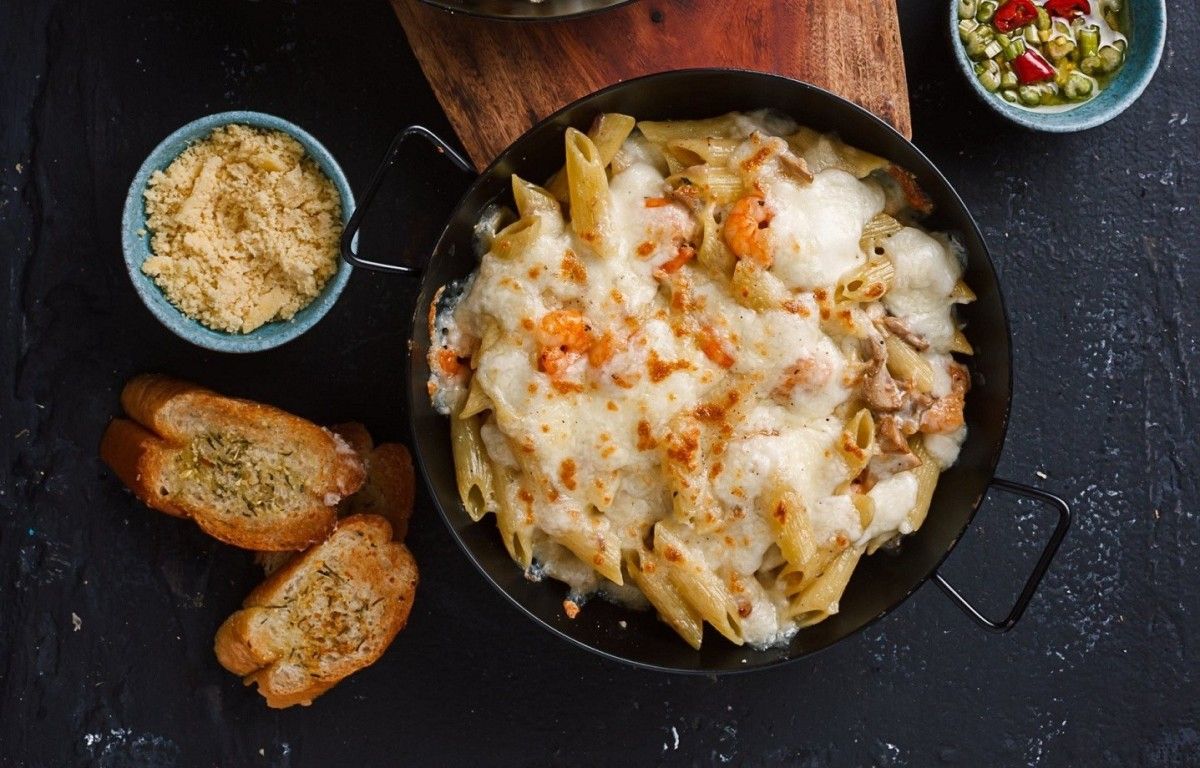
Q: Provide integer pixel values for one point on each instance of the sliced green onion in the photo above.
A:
(1043, 18)
(1110, 59)
(1014, 49)
(967, 8)
(1089, 40)
(1009, 94)
(966, 27)
(1031, 35)
(977, 42)
(993, 49)
(1120, 45)
(1111, 11)
(1091, 65)
(987, 9)
(1058, 48)
(1079, 87)
(1009, 79)
(989, 80)
(1029, 95)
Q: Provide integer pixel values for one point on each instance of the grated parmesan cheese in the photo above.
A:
(245, 228)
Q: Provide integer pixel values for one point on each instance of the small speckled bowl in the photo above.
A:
(135, 239)
(1147, 20)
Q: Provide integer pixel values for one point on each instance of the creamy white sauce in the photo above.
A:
(593, 454)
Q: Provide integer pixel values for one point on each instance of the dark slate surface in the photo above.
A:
(107, 610)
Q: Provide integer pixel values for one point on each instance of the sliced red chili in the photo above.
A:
(1067, 9)
(1030, 67)
(1014, 14)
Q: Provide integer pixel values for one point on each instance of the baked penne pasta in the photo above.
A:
(647, 571)
(706, 366)
(820, 599)
(700, 588)
(785, 513)
(907, 364)
(665, 131)
(515, 523)
(857, 443)
(927, 477)
(867, 284)
(473, 469)
(587, 186)
(608, 133)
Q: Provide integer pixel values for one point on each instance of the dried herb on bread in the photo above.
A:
(388, 491)
(323, 615)
(249, 474)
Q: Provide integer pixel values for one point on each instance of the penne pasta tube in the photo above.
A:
(514, 522)
(879, 228)
(906, 363)
(756, 288)
(477, 400)
(648, 573)
(534, 202)
(788, 519)
(820, 600)
(664, 131)
(696, 151)
(856, 444)
(868, 283)
(473, 469)
(516, 238)
(927, 477)
(700, 587)
(608, 133)
(959, 343)
(587, 185)
(962, 293)
(595, 546)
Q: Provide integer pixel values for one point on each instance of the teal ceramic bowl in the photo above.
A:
(1147, 22)
(135, 239)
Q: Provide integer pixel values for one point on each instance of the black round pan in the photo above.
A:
(524, 10)
(882, 581)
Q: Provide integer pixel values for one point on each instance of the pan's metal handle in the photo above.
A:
(1039, 570)
(389, 159)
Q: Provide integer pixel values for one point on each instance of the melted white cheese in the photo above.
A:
(926, 271)
(815, 233)
(590, 446)
(894, 498)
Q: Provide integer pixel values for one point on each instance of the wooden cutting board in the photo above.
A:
(496, 78)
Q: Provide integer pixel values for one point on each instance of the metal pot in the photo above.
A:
(882, 581)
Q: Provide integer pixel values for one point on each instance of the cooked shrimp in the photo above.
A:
(564, 336)
(714, 347)
(808, 373)
(745, 230)
(946, 414)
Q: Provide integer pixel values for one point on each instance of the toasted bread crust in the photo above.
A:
(167, 413)
(390, 488)
(247, 645)
(132, 454)
(356, 436)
